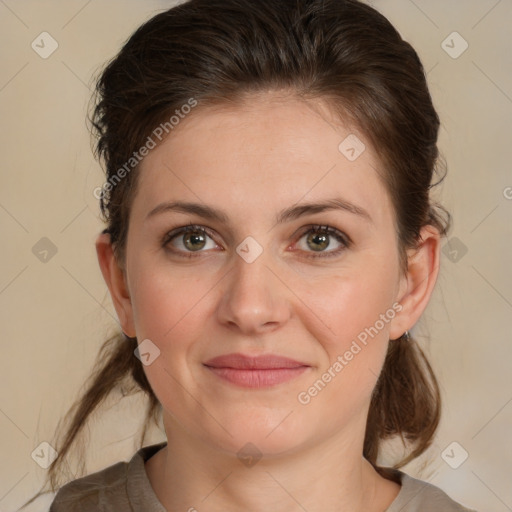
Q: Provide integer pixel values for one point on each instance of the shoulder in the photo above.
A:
(122, 486)
(93, 492)
(420, 496)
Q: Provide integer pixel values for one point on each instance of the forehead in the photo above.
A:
(263, 153)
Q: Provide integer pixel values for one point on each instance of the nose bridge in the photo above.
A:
(254, 298)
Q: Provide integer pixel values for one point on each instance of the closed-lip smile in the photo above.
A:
(255, 371)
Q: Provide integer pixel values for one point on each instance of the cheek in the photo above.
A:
(353, 311)
(167, 303)
(170, 311)
(357, 311)
(347, 305)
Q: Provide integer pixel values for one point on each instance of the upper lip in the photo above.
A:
(245, 362)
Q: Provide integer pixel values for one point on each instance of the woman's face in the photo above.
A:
(259, 280)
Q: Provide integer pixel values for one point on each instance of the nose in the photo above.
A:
(255, 298)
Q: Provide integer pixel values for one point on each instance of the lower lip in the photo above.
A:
(258, 378)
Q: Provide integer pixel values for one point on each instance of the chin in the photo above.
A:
(265, 434)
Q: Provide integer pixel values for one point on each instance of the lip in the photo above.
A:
(255, 371)
(262, 362)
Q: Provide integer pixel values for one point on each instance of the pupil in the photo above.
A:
(323, 240)
(191, 239)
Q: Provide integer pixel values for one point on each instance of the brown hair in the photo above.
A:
(342, 51)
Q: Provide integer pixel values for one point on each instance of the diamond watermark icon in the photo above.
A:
(147, 352)
(454, 249)
(44, 250)
(249, 249)
(454, 455)
(351, 147)
(44, 455)
(454, 45)
(249, 455)
(44, 45)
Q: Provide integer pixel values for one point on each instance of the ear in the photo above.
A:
(115, 277)
(418, 283)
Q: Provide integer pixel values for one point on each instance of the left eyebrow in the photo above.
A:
(335, 203)
(285, 215)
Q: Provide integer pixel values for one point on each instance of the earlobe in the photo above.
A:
(419, 281)
(115, 278)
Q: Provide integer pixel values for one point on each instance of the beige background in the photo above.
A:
(55, 314)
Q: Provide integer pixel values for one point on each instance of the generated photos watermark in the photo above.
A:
(305, 397)
(158, 134)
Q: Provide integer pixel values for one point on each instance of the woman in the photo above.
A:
(270, 242)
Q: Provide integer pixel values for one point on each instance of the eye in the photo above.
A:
(188, 239)
(319, 238)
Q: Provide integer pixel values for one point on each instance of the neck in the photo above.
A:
(189, 475)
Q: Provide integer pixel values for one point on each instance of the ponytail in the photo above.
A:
(406, 401)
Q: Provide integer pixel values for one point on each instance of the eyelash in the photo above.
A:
(312, 228)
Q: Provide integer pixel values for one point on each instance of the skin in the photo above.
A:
(251, 160)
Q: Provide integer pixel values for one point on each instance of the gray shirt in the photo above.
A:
(125, 487)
